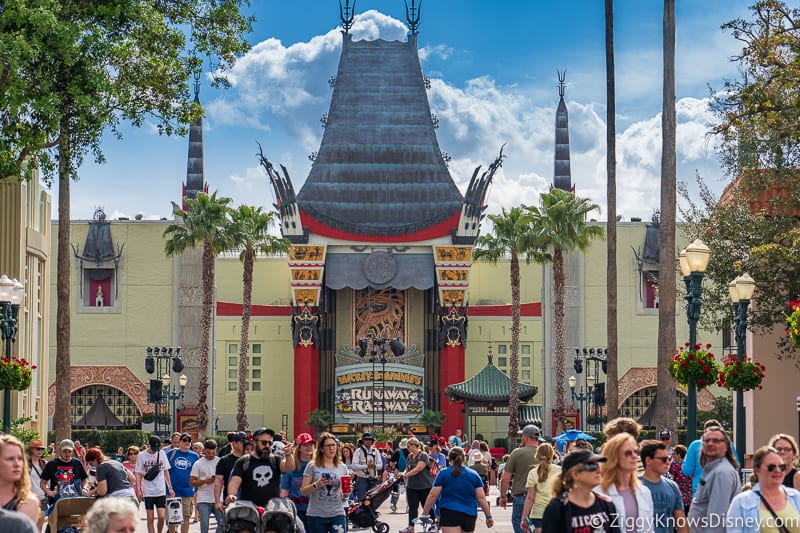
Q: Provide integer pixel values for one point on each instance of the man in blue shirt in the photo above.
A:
(667, 500)
(181, 460)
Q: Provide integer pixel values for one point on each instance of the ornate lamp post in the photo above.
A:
(693, 263)
(595, 389)
(174, 395)
(157, 361)
(579, 397)
(741, 291)
(12, 293)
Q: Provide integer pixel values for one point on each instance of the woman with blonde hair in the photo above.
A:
(619, 481)
(573, 500)
(539, 483)
(787, 448)
(15, 481)
(769, 503)
(419, 480)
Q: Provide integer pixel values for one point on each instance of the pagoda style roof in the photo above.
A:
(99, 415)
(489, 385)
(379, 171)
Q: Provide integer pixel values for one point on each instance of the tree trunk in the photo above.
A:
(665, 387)
(612, 378)
(247, 293)
(513, 399)
(205, 337)
(558, 321)
(62, 415)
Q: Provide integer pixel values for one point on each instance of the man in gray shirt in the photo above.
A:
(718, 485)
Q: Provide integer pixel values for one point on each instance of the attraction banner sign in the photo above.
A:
(386, 393)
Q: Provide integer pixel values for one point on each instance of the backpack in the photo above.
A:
(433, 466)
(402, 461)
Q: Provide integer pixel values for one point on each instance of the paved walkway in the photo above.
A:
(396, 521)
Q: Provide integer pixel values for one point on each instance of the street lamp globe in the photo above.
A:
(165, 380)
(19, 292)
(697, 255)
(732, 292)
(572, 382)
(183, 380)
(6, 288)
(745, 286)
(684, 263)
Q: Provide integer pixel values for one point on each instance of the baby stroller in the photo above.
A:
(240, 517)
(364, 513)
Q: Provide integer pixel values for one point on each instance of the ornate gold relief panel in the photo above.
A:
(379, 313)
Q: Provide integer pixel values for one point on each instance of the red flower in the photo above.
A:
(701, 382)
(706, 369)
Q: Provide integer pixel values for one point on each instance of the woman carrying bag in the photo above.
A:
(419, 480)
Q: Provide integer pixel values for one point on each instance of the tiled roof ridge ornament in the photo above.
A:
(475, 201)
(285, 199)
(413, 16)
(347, 14)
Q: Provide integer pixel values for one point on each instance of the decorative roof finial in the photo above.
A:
(412, 15)
(346, 14)
(562, 75)
(196, 84)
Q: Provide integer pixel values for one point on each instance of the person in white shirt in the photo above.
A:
(154, 491)
(202, 479)
(367, 464)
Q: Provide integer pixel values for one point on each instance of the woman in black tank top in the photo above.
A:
(786, 447)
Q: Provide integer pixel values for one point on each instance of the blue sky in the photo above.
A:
(493, 71)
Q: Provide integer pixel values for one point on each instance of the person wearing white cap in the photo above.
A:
(64, 473)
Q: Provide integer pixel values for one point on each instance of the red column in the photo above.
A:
(306, 385)
(451, 361)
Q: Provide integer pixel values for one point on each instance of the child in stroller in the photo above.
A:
(363, 513)
(279, 516)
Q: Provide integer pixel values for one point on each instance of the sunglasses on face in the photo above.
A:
(39, 449)
(265, 442)
(664, 459)
(784, 450)
(590, 467)
(712, 440)
(630, 453)
(772, 467)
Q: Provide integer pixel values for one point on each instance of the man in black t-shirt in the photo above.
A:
(222, 474)
(64, 471)
(256, 478)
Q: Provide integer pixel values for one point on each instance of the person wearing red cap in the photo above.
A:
(293, 480)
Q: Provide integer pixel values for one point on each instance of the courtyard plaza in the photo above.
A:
(396, 521)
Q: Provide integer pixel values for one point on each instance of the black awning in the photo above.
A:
(353, 270)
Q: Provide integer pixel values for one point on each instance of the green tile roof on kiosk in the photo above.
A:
(489, 385)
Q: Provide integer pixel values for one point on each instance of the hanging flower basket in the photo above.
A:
(698, 366)
(15, 373)
(793, 321)
(742, 375)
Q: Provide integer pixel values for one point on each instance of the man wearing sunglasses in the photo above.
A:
(256, 477)
(667, 499)
(718, 485)
(181, 460)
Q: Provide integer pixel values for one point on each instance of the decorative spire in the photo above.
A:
(346, 14)
(195, 164)
(412, 15)
(562, 176)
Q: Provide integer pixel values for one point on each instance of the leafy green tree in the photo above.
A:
(249, 233)
(320, 420)
(204, 225)
(759, 113)
(69, 71)
(561, 225)
(432, 419)
(512, 235)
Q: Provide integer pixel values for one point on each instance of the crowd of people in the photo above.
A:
(628, 485)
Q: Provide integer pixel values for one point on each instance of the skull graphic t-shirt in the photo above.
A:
(261, 478)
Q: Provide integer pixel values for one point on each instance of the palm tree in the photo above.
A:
(513, 235)
(611, 199)
(249, 232)
(203, 224)
(561, 225)
(665, 385)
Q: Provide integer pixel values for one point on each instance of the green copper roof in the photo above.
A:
(490, 384)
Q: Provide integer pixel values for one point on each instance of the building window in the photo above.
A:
(256, 348)
(502, 349)
(526, 349)
(526, 361)
(256, 374)
(256, 361)
(232, 373)
(526, 374)
(502, 361)
(638, 405)
(233, 348)
(231, 385)
(232, 361)
(256, 385)
(118, 403)
(650, 289)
